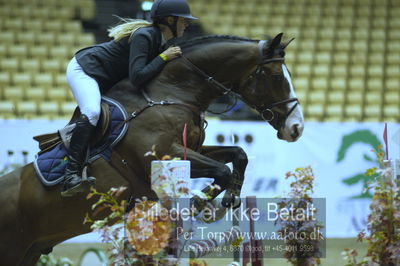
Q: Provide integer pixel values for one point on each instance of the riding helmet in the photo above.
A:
(174, 8)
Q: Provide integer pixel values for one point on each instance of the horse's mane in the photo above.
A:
(186, 44)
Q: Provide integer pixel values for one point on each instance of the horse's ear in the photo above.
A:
(276, 41)
(287, 43)
(271, 45)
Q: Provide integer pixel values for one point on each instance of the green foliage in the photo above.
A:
(110, 234)
(300, 198)
(50, 260)
(349, 255)
(121, 252)
(384, 220)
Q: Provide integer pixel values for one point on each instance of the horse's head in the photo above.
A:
(256, 72)
(268, 88)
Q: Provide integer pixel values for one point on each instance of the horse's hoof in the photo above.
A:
(197, 205)
(215, 212)
(231, 201)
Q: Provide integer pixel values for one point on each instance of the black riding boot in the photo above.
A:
(77, 153)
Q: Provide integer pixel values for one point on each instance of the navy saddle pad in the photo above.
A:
(50, 165)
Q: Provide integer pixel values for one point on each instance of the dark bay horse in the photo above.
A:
(35, 218)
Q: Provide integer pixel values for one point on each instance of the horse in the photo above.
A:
(35, 218)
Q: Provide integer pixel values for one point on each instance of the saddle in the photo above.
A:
(52, 159)
(50, 140)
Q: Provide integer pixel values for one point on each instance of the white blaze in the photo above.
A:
(295, 121)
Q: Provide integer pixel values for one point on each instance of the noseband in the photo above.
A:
(257, 72)
(267, 113)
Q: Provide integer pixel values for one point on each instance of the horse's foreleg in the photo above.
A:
(203, 166)
(238, 157)
(226, 154)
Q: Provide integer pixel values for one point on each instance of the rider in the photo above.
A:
(136, 51)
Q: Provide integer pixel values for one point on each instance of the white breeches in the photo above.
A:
(85, 90)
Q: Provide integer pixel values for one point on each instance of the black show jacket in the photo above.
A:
(113, 61)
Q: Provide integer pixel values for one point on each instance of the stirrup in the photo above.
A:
(84, 185)
(89, 180)
(78, 188)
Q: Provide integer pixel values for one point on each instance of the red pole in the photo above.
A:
(184, 140)
(386, 141)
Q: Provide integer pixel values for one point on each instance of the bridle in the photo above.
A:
(267, 112)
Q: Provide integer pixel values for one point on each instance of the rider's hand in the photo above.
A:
(172, 52)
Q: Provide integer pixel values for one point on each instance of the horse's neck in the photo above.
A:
(226, 63)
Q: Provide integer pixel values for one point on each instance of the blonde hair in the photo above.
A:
(127, 28)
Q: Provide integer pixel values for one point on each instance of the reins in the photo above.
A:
(224, 90)
(215, 83)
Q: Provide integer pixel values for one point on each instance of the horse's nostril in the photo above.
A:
(295, 131)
